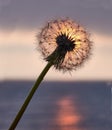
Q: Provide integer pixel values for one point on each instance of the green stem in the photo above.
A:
(29, 97)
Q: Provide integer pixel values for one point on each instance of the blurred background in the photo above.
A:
(78, 101)
(21, 20)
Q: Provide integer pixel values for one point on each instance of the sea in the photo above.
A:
(78, 105)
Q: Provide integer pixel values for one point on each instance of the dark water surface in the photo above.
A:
(57, 105)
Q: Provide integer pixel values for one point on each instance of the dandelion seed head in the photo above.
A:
(67, 41)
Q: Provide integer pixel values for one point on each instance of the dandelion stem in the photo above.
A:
(29, 97)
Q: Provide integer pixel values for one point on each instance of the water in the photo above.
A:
(57, 105)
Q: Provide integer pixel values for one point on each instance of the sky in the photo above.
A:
(22, 20)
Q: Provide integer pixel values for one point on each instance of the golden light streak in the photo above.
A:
(10, 51)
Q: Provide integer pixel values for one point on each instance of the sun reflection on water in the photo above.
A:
(67, 115)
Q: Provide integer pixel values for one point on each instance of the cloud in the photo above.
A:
(20, 20)
(18, 54)
(4, 2)
(18, 36)
(32, 13)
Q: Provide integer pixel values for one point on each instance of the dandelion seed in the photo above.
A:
(64, 42)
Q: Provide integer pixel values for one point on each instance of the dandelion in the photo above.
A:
(65, 42)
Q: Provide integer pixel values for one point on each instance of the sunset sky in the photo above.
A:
(21, 20)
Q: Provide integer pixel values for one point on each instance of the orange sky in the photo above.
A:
(20, 20)
(20, 59)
